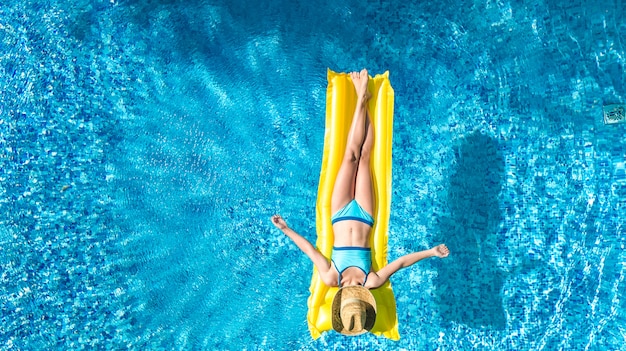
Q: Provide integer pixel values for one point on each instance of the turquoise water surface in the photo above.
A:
(145, 144)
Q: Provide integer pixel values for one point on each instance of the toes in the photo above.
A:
(355, 76)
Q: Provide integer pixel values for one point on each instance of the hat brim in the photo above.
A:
(359, 293)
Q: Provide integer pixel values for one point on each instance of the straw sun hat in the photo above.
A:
(353, 310)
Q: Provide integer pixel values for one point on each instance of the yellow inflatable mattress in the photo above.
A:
(340, 105)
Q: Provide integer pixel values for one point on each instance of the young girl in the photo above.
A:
(352, 205)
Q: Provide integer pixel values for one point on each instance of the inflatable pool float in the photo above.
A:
(340, 104)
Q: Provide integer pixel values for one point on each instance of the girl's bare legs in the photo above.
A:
(353, 180)
(364, 191)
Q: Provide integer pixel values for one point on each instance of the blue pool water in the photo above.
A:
(145, 144)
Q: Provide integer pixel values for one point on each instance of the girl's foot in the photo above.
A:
(359, 79)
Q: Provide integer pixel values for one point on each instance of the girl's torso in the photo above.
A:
(351, 233)
(351, 259)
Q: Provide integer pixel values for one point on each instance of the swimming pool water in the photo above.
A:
(145, 144)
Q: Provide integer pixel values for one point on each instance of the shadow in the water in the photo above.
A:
(469, 284)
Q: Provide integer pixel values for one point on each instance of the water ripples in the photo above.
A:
(144, 146)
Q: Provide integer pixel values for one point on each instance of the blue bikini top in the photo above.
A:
(351, 256)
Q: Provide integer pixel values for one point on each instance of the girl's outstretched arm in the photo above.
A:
(377, 279)
(322, 264)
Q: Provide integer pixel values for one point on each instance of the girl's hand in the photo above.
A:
(441, 251)
(279, 222)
